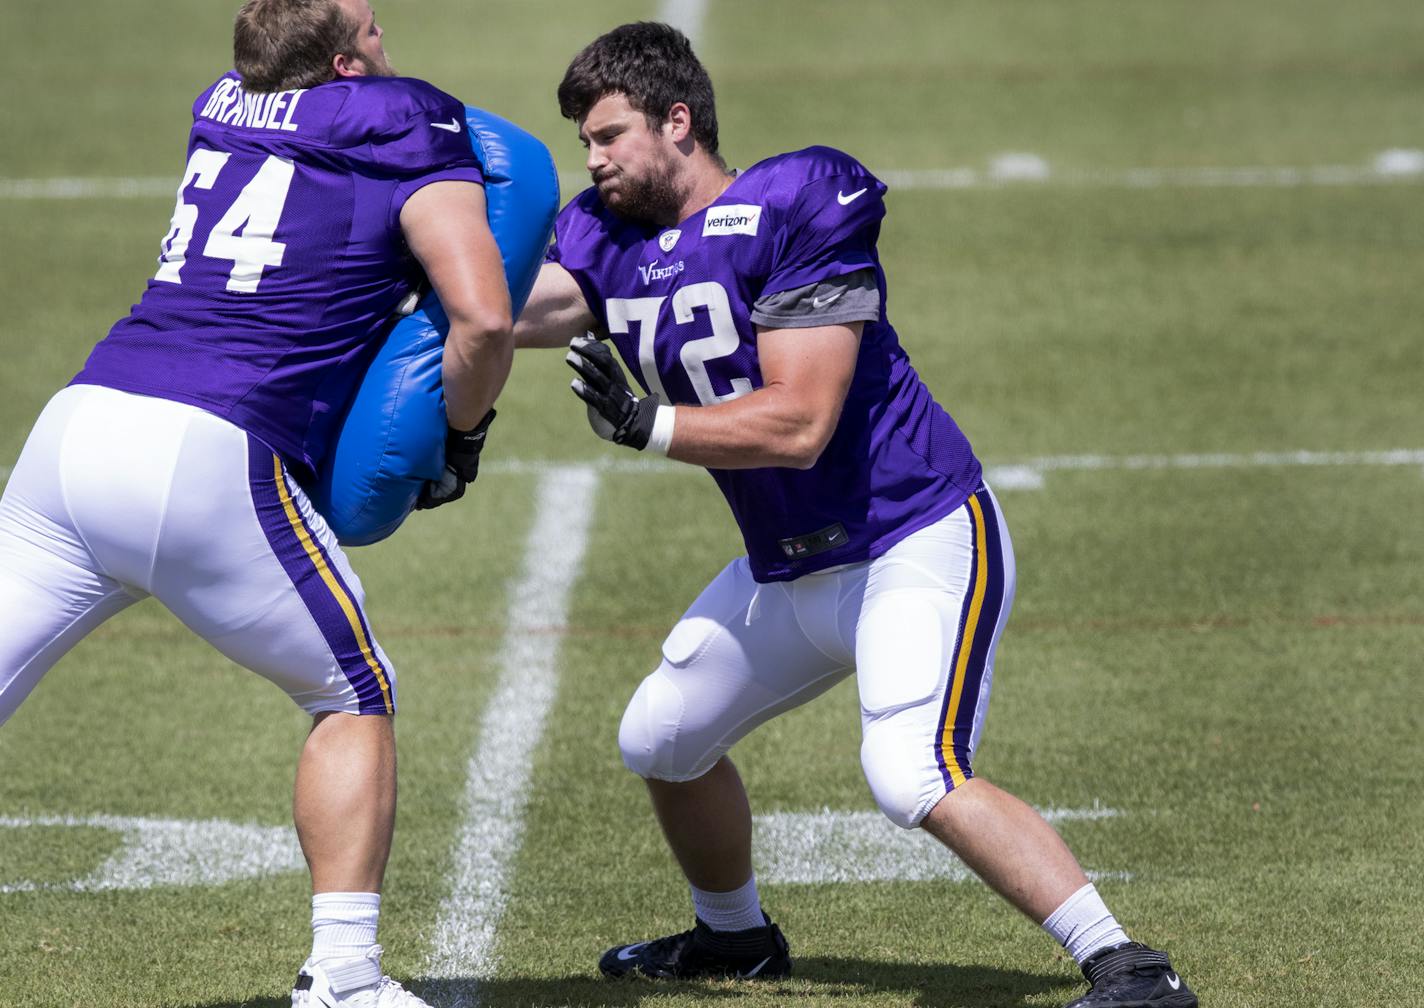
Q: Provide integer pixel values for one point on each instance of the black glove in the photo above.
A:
(614, 412)
(462, 464)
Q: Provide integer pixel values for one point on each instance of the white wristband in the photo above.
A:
(660, 438)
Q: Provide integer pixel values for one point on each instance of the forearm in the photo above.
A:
(762, 429)
(475, 366)
(786, 423)
(546, 327)
(446, 226)
(555, 313)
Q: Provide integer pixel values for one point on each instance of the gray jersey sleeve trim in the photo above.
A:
(852, 297)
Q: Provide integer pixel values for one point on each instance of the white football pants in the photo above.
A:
(917, 625)
(117, 497)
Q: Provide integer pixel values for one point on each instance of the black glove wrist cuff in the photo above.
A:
(478, 428)
(462, 448)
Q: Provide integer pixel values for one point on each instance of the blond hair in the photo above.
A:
(278, 45)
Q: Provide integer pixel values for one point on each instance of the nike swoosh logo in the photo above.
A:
(756, 969)
(1174, 981)
(631, 952)
(821, 302)
(453, 125)
(845, 200)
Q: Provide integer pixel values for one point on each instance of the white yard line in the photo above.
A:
(1230, 460)
(685, 15)
(834, 846)
(170, 852)
(498, 775)
(1006, 172)
(1030, 475)
(1019, 170)
(1027, 475)
(1390, 167)
(88, 188)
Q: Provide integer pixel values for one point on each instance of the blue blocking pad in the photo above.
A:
(392, 439)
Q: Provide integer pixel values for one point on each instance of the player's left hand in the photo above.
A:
(614, 412)
(462, 465)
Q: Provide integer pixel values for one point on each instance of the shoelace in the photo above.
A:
(390, 994)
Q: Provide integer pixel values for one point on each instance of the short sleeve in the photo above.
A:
(405, 190)
(574, 246)
(838, 300)
(427, 153)
(429, 144)
(830, 230)
(415, 140)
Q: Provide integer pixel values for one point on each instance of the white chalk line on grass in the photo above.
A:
(88, 188)
(1025, 170)
(1389, 166)
(1030, 475)
(498, 774)
(1005, 475)
(826, 846)
(685, 15)
(170, 852)
(832, 846)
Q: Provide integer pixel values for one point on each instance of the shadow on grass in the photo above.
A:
(818, 979)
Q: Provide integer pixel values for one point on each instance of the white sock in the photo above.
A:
(344, 924)
(729, 911)
(1083, 925)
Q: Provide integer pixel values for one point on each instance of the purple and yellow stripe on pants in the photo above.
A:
(978, 628)
(318, 581)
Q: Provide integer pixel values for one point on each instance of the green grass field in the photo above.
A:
(1217, 643)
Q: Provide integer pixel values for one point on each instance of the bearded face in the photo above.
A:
(647, 193)
(633, 162)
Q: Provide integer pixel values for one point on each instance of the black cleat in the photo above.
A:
(702, 952)
(1133, 976)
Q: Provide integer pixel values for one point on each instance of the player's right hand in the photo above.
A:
(614, 412)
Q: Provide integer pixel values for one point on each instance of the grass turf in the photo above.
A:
(1226, 656)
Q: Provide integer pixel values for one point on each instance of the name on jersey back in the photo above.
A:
(230, 105)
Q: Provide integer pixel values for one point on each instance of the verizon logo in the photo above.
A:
(739, 219)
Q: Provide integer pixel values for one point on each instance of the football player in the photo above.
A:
(750, 306)
(317, 183)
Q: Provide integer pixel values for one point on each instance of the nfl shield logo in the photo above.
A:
(668, 239)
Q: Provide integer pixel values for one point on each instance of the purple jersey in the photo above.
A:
(285, 257)
(678, 302)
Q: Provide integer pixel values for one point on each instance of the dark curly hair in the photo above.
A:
(654, 66)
